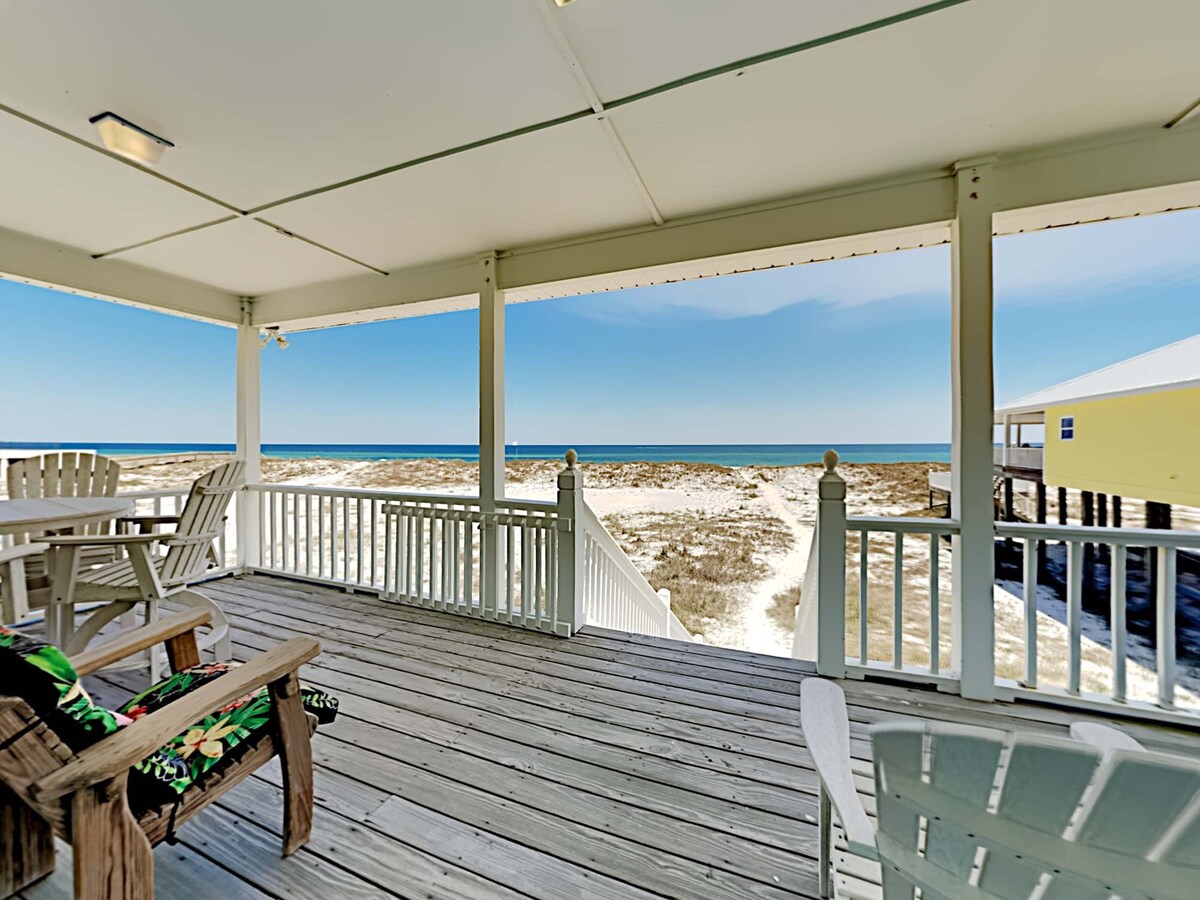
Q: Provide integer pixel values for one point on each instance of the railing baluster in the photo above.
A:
(283, 530)
(935, 607)
(308, 535)
(1029, 563)
(436, 525)
(390, 586)
(358, 535)
(1074, 614)
(320, 537)
(864, 584)
(539, 597)
(1165, 632)
(1117, 615)
(274, 529)
(345, 539)
(469, 569)
(509, 566)
(262, 523)
(526, 571)
(296, 532)
(898, 605)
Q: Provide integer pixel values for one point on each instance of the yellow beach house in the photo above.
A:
(1131, 429)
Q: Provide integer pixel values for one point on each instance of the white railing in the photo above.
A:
(440, 559)
(548, 566)
(1160, 550)
(615, 594)
(922, 640)
(1018, 457)
(912, 646)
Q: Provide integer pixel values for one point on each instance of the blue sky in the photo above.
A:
(847, 351)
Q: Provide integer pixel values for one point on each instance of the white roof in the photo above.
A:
(1167, 368)
(333, 146)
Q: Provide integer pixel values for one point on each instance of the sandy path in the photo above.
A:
(760, 634)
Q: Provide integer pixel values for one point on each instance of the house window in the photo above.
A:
(1066, 428)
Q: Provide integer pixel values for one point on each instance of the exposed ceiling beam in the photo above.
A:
(1131, 173)
(32, 260)
(364, 298)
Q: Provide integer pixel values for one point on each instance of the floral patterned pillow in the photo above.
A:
(42, 676)
(213, 743)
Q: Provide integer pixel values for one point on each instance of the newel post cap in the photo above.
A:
(831, 485)
(570, 478)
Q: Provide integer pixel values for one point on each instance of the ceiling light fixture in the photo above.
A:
(271, 333)
(128, 140)
(563, 2)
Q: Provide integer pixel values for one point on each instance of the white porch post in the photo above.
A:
(249, 438)
(1008, 440)
(971, 356)
(491, 424)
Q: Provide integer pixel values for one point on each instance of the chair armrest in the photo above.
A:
(139, 639)
(1103, 738)
(98, 540)
(20, 551)
(118, 752)
(827, 732)
(150, 520)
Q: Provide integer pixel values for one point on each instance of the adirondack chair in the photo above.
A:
(144, 576)
(84, 793)
(964, 812)
(64, 475)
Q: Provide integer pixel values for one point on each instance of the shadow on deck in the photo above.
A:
(475, 760)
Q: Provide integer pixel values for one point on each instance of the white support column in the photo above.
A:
(249, 438)
(972, 399)
(1008, 440)
(491, 423)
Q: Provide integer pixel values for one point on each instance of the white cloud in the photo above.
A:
(1047, 266)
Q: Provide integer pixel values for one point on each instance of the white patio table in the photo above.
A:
(38, 515)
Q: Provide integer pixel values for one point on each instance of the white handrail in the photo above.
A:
(616, 594)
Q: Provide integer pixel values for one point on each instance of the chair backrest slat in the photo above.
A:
(1043, 784)
(1139, 802)
(67, 474)
(1067, 821)
(963, 764)
(202, 514)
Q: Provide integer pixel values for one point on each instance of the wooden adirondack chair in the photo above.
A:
(64, 475)
(46, 790)
(982, 814)
(144, 576)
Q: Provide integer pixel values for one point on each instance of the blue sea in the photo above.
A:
(720, 454)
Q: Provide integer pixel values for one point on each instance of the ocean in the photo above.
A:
(720, 454)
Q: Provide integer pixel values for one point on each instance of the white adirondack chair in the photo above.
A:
(144, 576)
(64, 475)
(982, 814)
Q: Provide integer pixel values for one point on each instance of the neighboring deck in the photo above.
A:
(477, 760)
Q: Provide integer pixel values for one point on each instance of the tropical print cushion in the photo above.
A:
(42, 676)
(213, 743)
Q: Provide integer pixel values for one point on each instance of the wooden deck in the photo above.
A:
(477, 761)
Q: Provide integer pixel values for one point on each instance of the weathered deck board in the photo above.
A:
(474, 760)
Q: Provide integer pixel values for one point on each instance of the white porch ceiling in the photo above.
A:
(565, 180)
(390, 135)
(979, 78)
